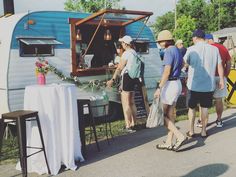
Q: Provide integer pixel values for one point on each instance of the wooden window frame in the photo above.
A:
(99, 20)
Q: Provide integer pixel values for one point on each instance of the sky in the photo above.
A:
(158, 7)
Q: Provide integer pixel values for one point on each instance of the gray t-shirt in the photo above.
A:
(203, 60)
(128, 55)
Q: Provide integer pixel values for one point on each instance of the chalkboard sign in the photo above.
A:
(141, 101)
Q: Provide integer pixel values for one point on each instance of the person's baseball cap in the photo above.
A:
(180, 41)
(209, 36)
(199, 33)
(126, 39)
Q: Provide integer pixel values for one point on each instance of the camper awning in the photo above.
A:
(114, 17)
(40, 41)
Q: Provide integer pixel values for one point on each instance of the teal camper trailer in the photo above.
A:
(63, 38)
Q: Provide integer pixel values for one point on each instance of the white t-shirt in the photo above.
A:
(128, 55)
(202, 59)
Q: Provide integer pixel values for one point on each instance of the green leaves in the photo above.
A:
(186, 24)
(203, 14)
(90, 6)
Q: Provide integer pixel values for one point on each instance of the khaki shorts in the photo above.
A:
(171, 91)
(220, 93)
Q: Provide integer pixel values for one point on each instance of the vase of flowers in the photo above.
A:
(41, 70)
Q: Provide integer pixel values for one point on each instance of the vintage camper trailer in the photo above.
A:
(63, 38)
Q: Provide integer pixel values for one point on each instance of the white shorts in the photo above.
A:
(171, 91)
(220, 93)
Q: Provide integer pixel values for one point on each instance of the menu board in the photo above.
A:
(141, 101)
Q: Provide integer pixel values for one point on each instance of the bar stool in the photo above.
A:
(1, 133)
(86, 118)
(21, 116)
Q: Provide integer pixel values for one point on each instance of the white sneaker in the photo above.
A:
(219, 123)
(129, 130)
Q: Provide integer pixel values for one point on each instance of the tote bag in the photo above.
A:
(156, 114)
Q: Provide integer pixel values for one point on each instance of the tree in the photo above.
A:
(209, 15)
(90, 6)
(165, 22)
(222, 14)
(186, 25)
(195, 9)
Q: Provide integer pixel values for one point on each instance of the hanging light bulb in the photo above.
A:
(107, 35)
(78, 35)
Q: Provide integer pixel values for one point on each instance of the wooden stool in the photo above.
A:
(21, 117)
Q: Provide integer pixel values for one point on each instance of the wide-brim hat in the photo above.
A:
(164, 35)
(179, 41)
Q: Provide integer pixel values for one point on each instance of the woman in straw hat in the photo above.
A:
(169, 89)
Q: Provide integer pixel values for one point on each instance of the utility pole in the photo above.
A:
(219, 15)
(105, 4)
(175, 14)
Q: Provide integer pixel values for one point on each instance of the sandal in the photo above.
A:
(190, 135)
(164, 146)
(179, 143)
(204, 136)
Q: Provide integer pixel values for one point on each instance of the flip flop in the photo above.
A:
(164, 146)
(178, 144)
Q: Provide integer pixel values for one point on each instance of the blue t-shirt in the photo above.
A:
(174, 58)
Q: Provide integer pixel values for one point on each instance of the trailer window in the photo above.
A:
(37, 47)
(36, 50)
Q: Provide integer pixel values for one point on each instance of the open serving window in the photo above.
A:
(94, 39)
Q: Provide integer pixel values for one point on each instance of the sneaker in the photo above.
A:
(129, 130)
(219, 123)
(199, 124)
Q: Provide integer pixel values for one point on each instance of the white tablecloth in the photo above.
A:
(57, 107)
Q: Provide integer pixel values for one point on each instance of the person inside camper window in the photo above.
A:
(127, 86)
(170, 89)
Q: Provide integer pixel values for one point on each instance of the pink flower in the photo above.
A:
(41, 66)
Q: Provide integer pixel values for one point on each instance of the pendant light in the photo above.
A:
(78, 35)
(107, 35)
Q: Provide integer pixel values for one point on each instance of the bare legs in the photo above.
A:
(204, 120)
(129, 108)
(170, 124)
(219, 108)
(191, 116)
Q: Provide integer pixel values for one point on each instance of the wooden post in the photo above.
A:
(73, 47)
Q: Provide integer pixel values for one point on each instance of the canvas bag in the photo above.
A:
(156, 114)
(135, 70)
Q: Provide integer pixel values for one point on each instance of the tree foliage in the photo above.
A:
(195, 9)
(208, 15)
(186, 25)
(90, 6)
(222, 14)
(164, 22)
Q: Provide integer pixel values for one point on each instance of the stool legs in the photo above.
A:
(1, 133)
(94, 131)
(43, 146)
(21, 133)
